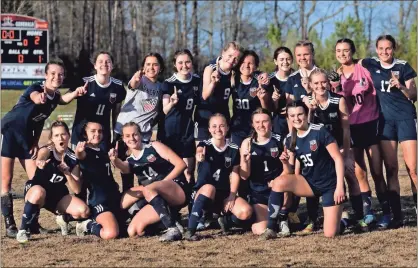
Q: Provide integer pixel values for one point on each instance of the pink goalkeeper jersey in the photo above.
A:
(360, 96)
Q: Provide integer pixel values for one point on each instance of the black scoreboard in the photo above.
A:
(24, 50)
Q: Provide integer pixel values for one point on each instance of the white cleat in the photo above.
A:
(284, 229)
(22, 236)
(65, 227)
(81, 228)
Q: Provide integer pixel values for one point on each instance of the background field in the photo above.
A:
(378, 248)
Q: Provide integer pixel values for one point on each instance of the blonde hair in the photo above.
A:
(236, 46)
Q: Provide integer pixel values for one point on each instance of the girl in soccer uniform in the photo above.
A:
(330, 110)
(57, 165)
(217, 180)
(104, 195)
(315, 150)
(358, 90)
(297, 85)
(161, 183)
(101, 103)
(247, 96)
(21, 128)
(180, 95)
(396, 90)
(260, 164)
(141, 106)
(218, 80)
(283, 59)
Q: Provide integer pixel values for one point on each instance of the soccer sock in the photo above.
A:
(127, 181)
(414, 196)
(395, 204)
(276, 200)
(30, 211)
(295, 204)
(384, 202)
(201, 203)
(283, 213)
(367, 202)
(94, 228)
(312, 205)
(7, 209)
(357, 205)
(160, 206)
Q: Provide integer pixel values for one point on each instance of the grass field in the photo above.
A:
(390, 248)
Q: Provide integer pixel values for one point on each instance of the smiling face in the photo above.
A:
(60, 138)
(151, 67)
(230, 58)
(131, 137)
(384, 50)
(94, 133)
(343, 53)
(218, 127)
(284, 61)
(248, 66)
(103, 64)
(319, 84)
(184, 64)
(297, 117)
(262, 124)
(304, 57)
(54, 76)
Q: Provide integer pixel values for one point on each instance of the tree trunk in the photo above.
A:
(56, 18)
(71, 31)
(176, 25)
(211, 23)
(84, 25)
(184, 31)
(92, 26)
(149, 25)
(195, 29)
(356, 9)
(302, 18)
(134, 19)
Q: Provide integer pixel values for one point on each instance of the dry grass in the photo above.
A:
(377, 248)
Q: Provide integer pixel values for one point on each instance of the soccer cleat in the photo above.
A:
(362, 226)
(22, 236)
(172, 234)
(81, 228)
(180, 227)
(223, 223)
(396, 223)
(284, 229)
(62, 224)
(293, 218)
(267, 235)
(11, 231)
(384, 222)
(190, 237)
(310, 228)
(369, 219)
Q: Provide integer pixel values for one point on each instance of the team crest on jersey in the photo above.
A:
(195, 88)
(253, 92)
(151, 158)
(112, 97)
(274, 152)
(313, 145)
(333, 115)
(228, 161)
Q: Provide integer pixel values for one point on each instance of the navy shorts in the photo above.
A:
(327, 195)
(186, 187)
(259, 197)
(100, 202)
(201, 132)
(53, 194)
(238, 137)
(14, 144)
(280, 125)
(365, 135)
(398, 130)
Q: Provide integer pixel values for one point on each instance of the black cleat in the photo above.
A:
(11, 231)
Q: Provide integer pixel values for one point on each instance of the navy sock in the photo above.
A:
(283, 213)
(414, 196)
(127, 181)
(312, 205)
(395, 204)
(201, 203)
(276, 200)
(367, 202)
(30, 212)
(94, 227)
(295, 204)
(160, 206)
(357, 205)
(384, 202)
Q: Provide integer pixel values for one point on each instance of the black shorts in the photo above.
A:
(15, 144)
(53, 194)
(259, 197)
(398, 130)
(365, 135)
(186, 187)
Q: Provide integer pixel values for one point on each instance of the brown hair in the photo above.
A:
(293, 134)
(259, 110)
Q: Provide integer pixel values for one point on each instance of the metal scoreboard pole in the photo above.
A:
(24, 50)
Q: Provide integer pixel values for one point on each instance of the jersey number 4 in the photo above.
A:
(151, 173)
(217, 174)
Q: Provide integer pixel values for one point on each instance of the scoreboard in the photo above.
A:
(24, 50)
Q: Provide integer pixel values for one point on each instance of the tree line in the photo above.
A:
(131, 29)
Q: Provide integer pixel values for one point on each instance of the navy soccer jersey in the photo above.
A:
(149, 167)
(217, 166)
(97, 172)
(50, 177)
(279, 116)
(316, 164)
(265, 163)
(245, 100)
(294, 86)
(96, 106)
(394, 105)
(178, 122)
(26, 116)
(329, 116)
(217, 102)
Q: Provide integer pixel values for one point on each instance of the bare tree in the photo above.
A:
(176, 25)
(195, 28)
(184, 31)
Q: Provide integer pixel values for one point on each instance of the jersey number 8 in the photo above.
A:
(189, 104)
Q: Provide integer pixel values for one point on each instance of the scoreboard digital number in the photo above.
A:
(24, 50)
